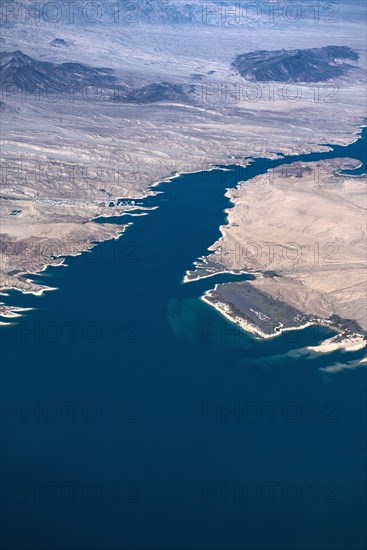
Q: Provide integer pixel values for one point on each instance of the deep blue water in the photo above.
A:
(135, 417)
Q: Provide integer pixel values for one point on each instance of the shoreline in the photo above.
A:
(88, 247)
(186, 279)
(348, 343)
(201, 263)
(225, 310)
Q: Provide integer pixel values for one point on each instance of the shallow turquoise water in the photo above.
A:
(135, 417)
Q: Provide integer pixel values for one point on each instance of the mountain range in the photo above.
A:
(298, 65)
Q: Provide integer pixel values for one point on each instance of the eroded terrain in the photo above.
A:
(302, 229)
(172, 102)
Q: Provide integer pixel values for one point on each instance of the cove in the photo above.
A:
(136, 417)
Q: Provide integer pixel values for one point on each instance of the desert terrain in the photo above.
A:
(172, 101)
(302, 230)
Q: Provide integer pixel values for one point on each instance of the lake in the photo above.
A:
(134, 416)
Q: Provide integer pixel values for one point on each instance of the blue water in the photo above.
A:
(135, 417)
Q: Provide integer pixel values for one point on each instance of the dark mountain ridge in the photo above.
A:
(21, 71)
(161, 91)
(307, 65)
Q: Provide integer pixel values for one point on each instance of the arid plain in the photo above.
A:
(67, 157)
